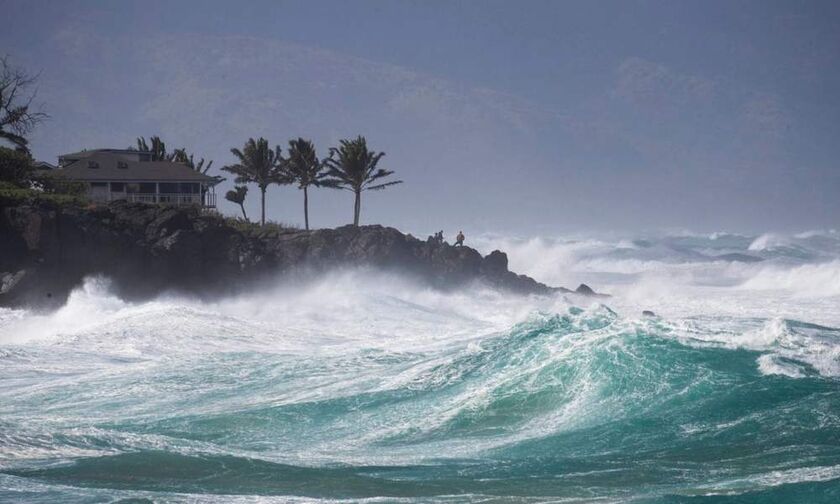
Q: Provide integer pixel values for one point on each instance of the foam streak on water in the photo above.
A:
(361, 386)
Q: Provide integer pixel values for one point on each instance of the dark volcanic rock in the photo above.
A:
(495, 262)
(585, 290)
(145, 249)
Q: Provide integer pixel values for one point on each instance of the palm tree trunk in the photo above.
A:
(306, 206)
(357, 208)
(244, 215)
(262, 205)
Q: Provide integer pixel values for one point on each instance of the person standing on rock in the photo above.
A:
(459, 240)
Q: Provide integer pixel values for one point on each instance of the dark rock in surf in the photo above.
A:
(585, 290)
(648, 313)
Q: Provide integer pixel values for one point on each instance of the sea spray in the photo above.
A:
(363, 385)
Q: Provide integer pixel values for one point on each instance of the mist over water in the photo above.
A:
(364, 386)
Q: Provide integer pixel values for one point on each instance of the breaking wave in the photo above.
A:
(364, 386)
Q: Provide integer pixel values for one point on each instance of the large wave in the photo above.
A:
(363, 385)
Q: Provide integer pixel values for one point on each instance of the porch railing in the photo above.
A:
(169, 198)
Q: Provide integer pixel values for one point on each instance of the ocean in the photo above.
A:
(362, 386)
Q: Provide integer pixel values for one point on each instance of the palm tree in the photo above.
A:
(258, 164)
(158, 148)
(305, 169)
(181, 156)
(237, 195)
(353, 167)
(159, 153)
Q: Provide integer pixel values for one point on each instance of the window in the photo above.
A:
(117, 187)
(168, 187)
(189, 188)
(93, 164)
(122, 165)
(99, 184)
(148, 187)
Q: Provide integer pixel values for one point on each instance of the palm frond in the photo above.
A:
(237, 194)
(353, 165)
(382, 186)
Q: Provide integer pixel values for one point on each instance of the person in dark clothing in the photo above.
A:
(459, 240)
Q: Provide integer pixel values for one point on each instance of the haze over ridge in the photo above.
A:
(626, 115)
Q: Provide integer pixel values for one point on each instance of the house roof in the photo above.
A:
(130, 154)
(43, 165)
(91, 152)
(110, 167)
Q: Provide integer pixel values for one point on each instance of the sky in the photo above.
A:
(525, 117)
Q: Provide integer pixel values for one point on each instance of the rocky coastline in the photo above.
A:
(48, 249)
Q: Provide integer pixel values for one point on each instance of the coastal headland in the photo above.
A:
(48, 249)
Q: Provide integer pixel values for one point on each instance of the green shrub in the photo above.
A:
(15, 167)
(52, 182)
(11, 194)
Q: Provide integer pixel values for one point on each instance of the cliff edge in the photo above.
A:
(48, 249)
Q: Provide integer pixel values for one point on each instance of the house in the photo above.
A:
(115, 174)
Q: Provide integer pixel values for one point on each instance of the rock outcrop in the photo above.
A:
(145, 249)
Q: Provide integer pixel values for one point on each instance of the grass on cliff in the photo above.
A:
(256, 228)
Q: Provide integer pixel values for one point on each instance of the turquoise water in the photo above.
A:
(401, 394)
